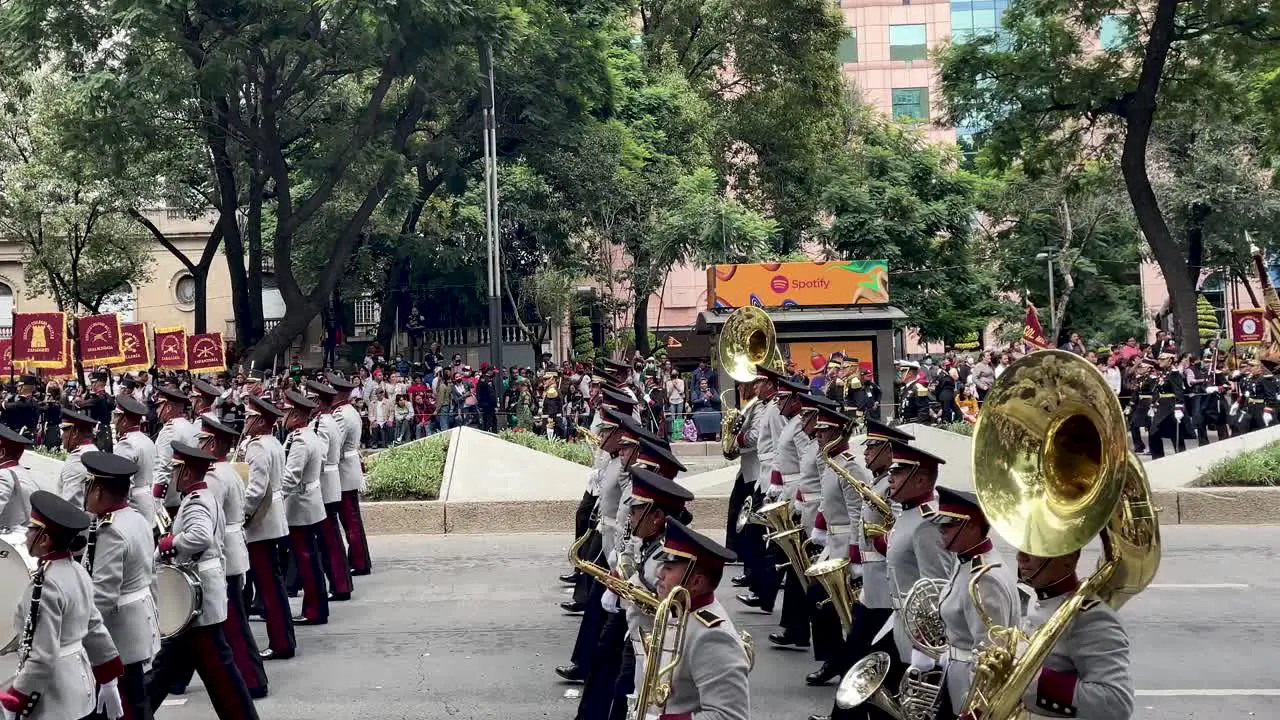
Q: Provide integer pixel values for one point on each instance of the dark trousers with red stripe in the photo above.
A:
(333, 553)
(304, 548)
(133, 694)
(357, 544)
(204, 648)
(268, 582)
(244, 646)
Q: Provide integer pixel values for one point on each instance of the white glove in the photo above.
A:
(922, 662)
(944, 660)
(6, 715)
(855, 571)
(1151, 413)
(819, 537)
(774, 492)
(1267, 417)
(1178, 415)
(109, 702)
(1211, 390)
(1235, 408)
(824, 555)
(609, 602)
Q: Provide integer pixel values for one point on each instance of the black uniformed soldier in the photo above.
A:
(20, 412)
(1169, 404)
(1140, 406)
(98, 405)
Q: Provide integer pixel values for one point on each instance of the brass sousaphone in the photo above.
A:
(747, 341)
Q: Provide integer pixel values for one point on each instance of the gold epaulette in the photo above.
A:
(106, 519)
(708, 618)
(1090, 604)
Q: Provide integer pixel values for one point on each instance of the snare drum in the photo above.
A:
(179, 598)
(15, 574)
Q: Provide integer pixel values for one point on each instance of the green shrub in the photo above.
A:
(577, 452)
(408, 472)
(55, 453)
(959, 428)
(1256, 468)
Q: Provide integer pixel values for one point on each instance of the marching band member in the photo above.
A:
(65, 652)
(196, 537)
(77, 439)
(1140, 405)
(351, 472)
(710, 682)
(171, 408)
(265, 524)
(133, 445)
(835, 525)
(744, 485)
(966, 533)
(758, 433)
(304, 508)
(333, 551)
(1086, 674)
(225, 483)
(915, 548)
(15, 486)
(1166, 418)
(205, 400)
(121, 560)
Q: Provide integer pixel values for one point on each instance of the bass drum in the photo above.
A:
(15, 574)
(178, 599)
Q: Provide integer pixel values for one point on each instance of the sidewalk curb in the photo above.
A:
(1185, 506)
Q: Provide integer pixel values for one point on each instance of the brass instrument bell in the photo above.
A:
(748, 340)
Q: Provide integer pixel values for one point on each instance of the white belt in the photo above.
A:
(233, 528)
(74, 648)
(960, 655)
(133, 597)
(351, 453)
(895, 602)
(839, 529)
(330, 467)
(209, 565)
(788, 478)
(871, 556)
(609, 522)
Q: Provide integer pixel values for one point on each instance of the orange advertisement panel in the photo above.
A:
(98, 337)
(1247, 326)
(171, 348)
(206, 353)
(812, 356)
(798, 284)
(40, 339)
(133, 345)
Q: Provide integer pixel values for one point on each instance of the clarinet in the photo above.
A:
(91, 547)
(33, 615)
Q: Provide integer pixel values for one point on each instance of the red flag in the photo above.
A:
(98, 337)
(206, 353)
(6, 357)
(1032, 333)
(171, 348)
(133, 344)
(40, 339)
(67, 369)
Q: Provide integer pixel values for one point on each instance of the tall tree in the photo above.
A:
(1041, 90)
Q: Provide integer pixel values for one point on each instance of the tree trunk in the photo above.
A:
(641, 324)
(253, 236)
(1195, 241)
(1139, 113)
(392, 298)
(201, 278)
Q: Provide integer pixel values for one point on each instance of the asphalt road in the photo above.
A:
(467, 627)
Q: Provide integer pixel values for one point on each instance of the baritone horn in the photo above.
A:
(747, 341)
(662, 655)
(833, 575)
(1051, 471)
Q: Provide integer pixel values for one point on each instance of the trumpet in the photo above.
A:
(587, 435)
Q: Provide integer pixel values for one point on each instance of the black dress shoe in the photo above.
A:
(821, 676)
(339, 597)
(752, 600)
(572, 673)
(361, 573)
(570, 578)
(258, 693)
(573, 607)
(739, 580)
(304, 620)
(782, 639)
(270, 654)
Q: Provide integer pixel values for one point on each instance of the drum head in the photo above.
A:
(176, 599)
(15, 574)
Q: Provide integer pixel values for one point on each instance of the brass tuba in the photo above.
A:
(833, 575)
(655, 687)
(1052, 471)
(748, 340)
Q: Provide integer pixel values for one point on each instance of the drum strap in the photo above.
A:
(133, 597)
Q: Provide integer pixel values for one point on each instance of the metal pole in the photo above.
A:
(491, 193)
(1053, 306)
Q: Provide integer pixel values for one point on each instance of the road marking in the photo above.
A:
(173, 703)
(1203, 692)
(1198, 586)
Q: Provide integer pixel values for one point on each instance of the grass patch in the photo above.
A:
(55, 453)
(578, 452)
(408, 472)
(1256, 468)
(959, 428)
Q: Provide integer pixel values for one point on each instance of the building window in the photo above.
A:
(272, 301)
(1112, 33)
(6, 306)
(184, 292)
(971, 18)
(847, 52)
(911, 104)
(121, 302)
(908, 42)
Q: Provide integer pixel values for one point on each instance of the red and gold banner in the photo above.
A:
(133, 345)
(67, 369)
(1032, 333)
(99, 340)
(1247, 326)
(40, 339)
(206, 353)
(171, 348)
(6, 357)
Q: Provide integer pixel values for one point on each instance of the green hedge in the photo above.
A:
(408, 472)
(1256, 468)
(55, 453)
(578, 452)
(959, 428)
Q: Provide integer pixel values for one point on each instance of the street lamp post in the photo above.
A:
(1047, 256)
(491, 208)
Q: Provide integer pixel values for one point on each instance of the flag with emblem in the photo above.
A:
(171, 348)
(40, 339)
(133, 347)
(99, 339)
(206, 353)
(67, 369)
(1032, 333)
